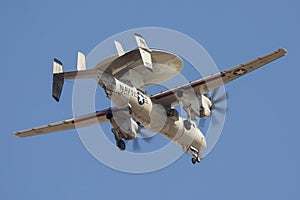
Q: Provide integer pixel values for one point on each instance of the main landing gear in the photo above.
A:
(119, 141)
(116, 131)
(121, 144)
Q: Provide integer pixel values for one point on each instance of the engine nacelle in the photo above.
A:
(205, 108)
(185, 133)
(195, 106)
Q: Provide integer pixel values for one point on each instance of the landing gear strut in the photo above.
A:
(116, 131)
(196, 155)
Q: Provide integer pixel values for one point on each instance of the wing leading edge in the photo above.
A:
(168, 98)
(98, 117)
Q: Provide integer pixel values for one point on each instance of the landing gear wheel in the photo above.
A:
(194, 160)
(121, 144)
(109, 116)
(187, 124)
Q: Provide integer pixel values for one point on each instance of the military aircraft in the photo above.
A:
(124, 77)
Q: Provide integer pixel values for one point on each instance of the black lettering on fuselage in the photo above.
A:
(126, 90)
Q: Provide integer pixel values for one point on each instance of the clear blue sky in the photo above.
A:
(257, 156)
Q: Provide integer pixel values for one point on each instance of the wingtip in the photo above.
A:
(17, 134)
(283, 51)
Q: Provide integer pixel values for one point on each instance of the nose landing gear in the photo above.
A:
(195, 160)
(196, 155)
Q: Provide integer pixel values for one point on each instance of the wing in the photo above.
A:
(77, 122)
(168, 98)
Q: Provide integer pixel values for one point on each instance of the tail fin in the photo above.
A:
(58, 79)
(145, 52)
(59, 76)
(119, 48)
(81, 64)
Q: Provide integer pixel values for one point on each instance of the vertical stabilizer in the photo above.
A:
(119, 48)
(141, 42)
(58, 79)
(57, 66)
(144, 51)
(81, 63)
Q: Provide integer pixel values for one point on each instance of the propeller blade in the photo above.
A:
(214, 120)
(136, 145)
(146, 137)
(219, 99)
(219, 109)
(214, 93)
(202, 122)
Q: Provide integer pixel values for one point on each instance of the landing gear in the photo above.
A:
(194, 160)
(109, 116)
(121, 144)
(196, 155)
(120, 136)
(173, 114)
(119, 141)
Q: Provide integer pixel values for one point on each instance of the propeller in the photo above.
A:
(218, 99)
(202, 122)
(141, 135)
(136, 145)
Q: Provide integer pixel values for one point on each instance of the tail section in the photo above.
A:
(81, 63)
(59, 76)
(58, 79)
(57, 66)
(119, 48)
(145, 52)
